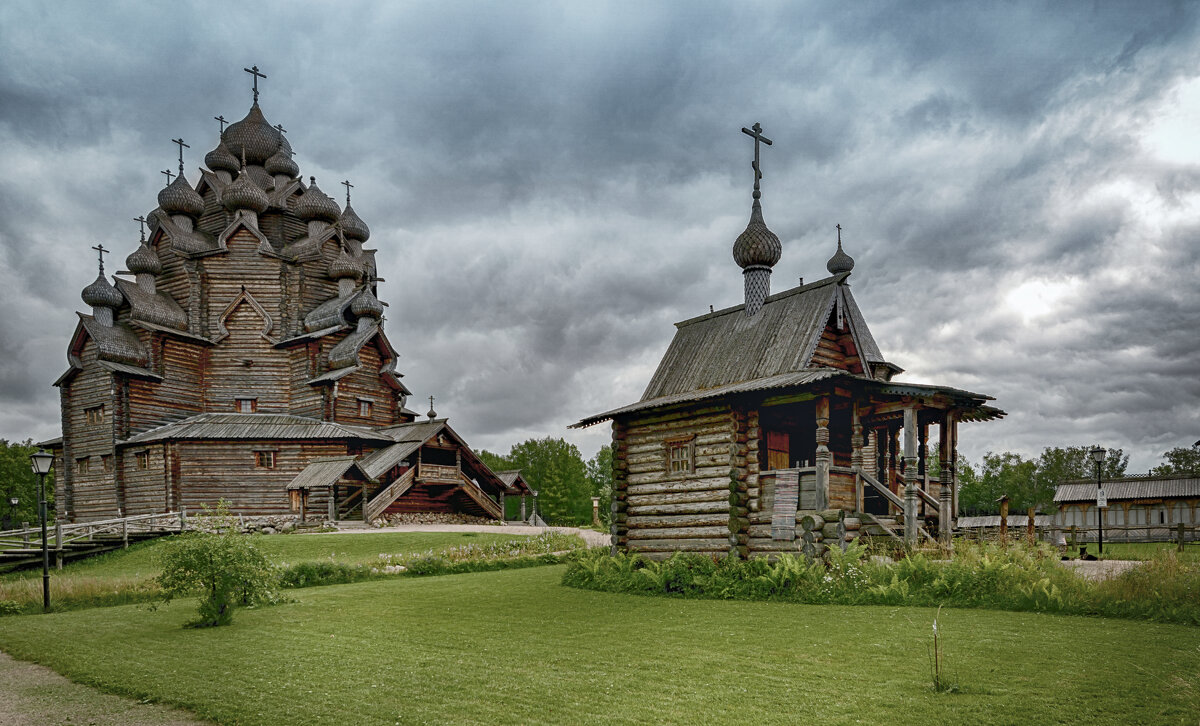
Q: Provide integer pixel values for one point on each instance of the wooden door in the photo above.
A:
(778, 450)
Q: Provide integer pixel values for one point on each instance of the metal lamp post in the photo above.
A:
(41, 461)
(1098, 455)
(535, 514)
(12, 512)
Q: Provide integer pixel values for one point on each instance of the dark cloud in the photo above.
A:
(551, 187)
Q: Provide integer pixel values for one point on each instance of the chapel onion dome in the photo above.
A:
(144, 260)
(840, 262)
(101, 294)
(315, 205)
(367, 305)
(244, 194)
(180, 198)
(353, 226)
(282, 163)
(757, 246)
(343, 266)
(253, 137)
(259, 176)
(222, 159)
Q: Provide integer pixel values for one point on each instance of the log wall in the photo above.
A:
(366, 383)
(214, 470)
(145, 489)
(93, 494)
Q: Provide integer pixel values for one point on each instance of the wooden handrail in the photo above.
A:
(474, 492)
(391, 493)
(929, 500)
(887, 493)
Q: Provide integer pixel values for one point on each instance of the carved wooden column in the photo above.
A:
(503, 511)
(824, 457)
(620, 451)
(524, 498)
(856, 455)
(910, 477)
(946, 460)
(922, 453)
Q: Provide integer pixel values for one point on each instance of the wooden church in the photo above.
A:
(782, 405)
(241, 355)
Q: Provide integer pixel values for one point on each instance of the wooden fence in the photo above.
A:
(1186, 534)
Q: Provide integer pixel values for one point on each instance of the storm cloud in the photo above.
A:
(551, 187)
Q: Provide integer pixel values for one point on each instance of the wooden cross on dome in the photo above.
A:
(280, 128)
(169, 174)
(839, 229)
(221, 119)
(348, 186)
(257, 75)
(100, 250)
(755, 131)
(141, 220)
(182, 146)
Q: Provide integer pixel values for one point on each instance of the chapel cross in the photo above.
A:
(141, 220)
(222, 121)
(839, 229)
(254, 72)
(169, 174)
(100, 249)
(348, 186)
(756, 132)
(281, 129)
(182, 146)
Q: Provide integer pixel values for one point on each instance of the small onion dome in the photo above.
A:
(101, 294)
(366, 305)
(252, 136)
(142, 260)
(180, 198)
(244, 194)
(840, 262)
(314, 204)
(353, 226)
(221, 159)
(282, 163)
(260, 177)
(344, 266)
(757, 246)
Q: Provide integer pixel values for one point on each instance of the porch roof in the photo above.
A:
(324, 473)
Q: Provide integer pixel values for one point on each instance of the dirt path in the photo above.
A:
(32, 695)
(1100, 569)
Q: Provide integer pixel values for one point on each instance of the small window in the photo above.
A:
(245, 405)
(106, 460)
(82, 465)
(95, 415)
(679, 456)
(143, 459)
(264, 459)
(364, 407)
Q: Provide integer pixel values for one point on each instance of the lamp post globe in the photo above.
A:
(1099, 453)
(40, 462)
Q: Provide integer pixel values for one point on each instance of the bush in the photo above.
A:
(9, 607)
(315, 574)
(981, 576)
(220, 564)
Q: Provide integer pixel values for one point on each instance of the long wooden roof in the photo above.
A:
(1131, 488)
(254, 426)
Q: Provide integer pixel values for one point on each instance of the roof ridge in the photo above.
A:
(808, 287)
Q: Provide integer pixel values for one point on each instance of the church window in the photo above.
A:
(106, 461)
(680, 455)
(81, 465)
(95, 415)
(264, 459)
(364, 407)
(245, 405)
(143, 459)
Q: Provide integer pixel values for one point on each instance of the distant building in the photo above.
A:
(242, 355)
(780, 404)
(1138, 507)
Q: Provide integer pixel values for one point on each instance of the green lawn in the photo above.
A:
(1140, 550)
(515, 647)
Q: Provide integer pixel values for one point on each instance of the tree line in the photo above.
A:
(17, 481)
(564, 481)
(1031, 482)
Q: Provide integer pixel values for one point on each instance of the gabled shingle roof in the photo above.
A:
(254, 426)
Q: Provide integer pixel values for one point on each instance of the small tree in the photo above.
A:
(1182, 461)
(220, 564)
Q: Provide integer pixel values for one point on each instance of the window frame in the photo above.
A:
(252, 400)
(682, 465)
(94, 415)
(266, 455)
(366, 407)
(83, 464)
(141, 460)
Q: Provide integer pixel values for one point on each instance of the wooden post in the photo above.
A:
(856, 455)
(922, 452)
(945, 494)
(910, 477)
(25, 533)
(1004, 520)
(363, 501)
(124, 534)
(824, 457)
(182, 519)
(58, 545)
(524, 498)
(1029, 527)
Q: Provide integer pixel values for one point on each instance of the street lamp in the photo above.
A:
(12, 512)
(535, 514)
(1098, 454)
(41, 461)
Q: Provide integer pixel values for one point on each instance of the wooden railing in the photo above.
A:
(887, 493)
(61, 534)
(930, 500)
(437, 472)
(474, 492)
(384, 499)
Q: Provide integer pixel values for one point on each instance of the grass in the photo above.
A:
(515, 647)
(1139, 550)
(124, 576)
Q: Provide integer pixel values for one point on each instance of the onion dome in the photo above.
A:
(260, 177)
(757, 246)
(353, 226)
(252, 137)
(101, 294)
(344, 266)
(316, 205)
(840, 262)
(367, 305)
(244, 194)
(282, 163)
(142, 260)
(221, 159)
(180, 198)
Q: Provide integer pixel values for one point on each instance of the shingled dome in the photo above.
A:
(840, 262)
(282, 163)
(342, 266)
(353, 226)
(244, 194)
(366, 305)
(253, 136)
(143, 260)
(757, 246)
(316, 205)
(101, 294)
(221, 159)
(180, 198)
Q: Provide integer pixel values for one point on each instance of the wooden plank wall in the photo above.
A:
(679, 512)
(177, 396)
(229, 377)
(306, 400)
(212, 470)
(93, 494)
(366, 383)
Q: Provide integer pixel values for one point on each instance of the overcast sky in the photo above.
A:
(550, 187)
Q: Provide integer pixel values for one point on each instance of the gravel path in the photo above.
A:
(32, 694)
(1100, 569)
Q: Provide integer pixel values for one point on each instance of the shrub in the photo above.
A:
(324, 572)
(9, 607)
(220, 564)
